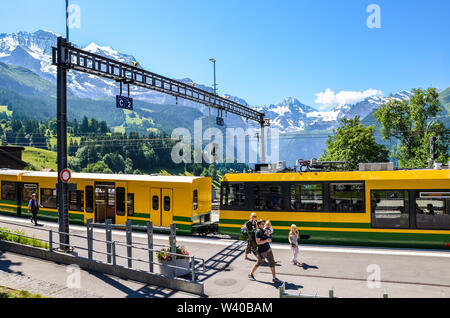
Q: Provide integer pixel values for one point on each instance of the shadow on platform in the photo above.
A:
(144, 292)
(222, 260)
(5, 265)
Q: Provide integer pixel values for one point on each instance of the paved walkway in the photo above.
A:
(402, 272)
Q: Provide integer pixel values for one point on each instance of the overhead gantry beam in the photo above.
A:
(98, 65)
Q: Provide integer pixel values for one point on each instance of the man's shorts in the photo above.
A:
(266, 255)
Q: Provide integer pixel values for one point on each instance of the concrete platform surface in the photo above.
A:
(352, 272)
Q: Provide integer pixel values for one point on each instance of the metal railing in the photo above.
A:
(111, 250)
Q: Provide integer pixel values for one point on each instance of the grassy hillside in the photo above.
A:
(4, 109)
(24, 81)
(27, 95)
(40, 159)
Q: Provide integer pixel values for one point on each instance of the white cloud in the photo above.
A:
(329, 98)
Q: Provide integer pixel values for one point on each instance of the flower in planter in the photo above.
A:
(164, 256)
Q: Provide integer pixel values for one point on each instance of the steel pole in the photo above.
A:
(215, 83)
(61, 116)
(263, 144)
(67, 20)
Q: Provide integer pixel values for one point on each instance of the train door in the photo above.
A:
(89, 207)
(121, 203)
(167, 207)
(155, 203)
(105, 202)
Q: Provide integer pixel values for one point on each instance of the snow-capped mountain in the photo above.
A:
(293, 116)
(33, 51)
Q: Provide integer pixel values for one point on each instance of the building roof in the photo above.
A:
(114, 177)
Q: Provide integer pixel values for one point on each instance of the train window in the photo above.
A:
(267, 197)
(433, 210)
(155, 203)
(130, 204)
(76, 201)
(195, 200)
(166, 204)
(48, 198)
(306, 197)
(89, 199)
(390, 209)
(347, 197)
(120, 199)
(9, 191)
(111, 196)
(27, 190)
(233, 195)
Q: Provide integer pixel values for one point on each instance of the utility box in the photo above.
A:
(380, 166)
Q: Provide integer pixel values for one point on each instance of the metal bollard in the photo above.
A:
(90, 237)
(281, 289)
(129, 231)
(50, 241)
(150, 245)
(108, 234)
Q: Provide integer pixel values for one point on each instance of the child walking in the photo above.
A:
(293, 240)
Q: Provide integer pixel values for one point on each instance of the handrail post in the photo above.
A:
(193, 268)
(89, 237)
(108, 236)
(173, 238)
(173, 244)
(50, 240)
(150, 245)
(129, 231)
(113, 248)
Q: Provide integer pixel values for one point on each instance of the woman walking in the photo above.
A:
(293, 240)
(250, 228)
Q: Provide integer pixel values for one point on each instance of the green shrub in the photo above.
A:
(18, 237)
(6, 292)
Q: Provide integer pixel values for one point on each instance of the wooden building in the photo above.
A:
(11, 158)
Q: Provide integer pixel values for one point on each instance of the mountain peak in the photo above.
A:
(46, 33)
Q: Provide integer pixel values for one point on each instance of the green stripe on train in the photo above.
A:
(141, 215)
(184, 229)
(386, 239)
(305, 224)
(188, 219)
(8, 202)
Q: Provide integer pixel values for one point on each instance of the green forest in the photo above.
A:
(93, 147)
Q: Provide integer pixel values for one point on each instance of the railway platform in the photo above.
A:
(352, 272)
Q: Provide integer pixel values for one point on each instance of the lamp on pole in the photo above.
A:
(215, 84)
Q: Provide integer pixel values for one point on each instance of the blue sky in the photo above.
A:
(265, 50)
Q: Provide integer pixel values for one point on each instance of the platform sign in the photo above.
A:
(220, 121)
(66, 175)
(124, 102)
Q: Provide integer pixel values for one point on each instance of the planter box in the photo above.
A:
(175, 272)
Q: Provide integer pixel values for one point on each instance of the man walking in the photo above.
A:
(264, 252)
(33, 207)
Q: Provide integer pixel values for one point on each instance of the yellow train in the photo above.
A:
(163, 200)
(409, 208)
